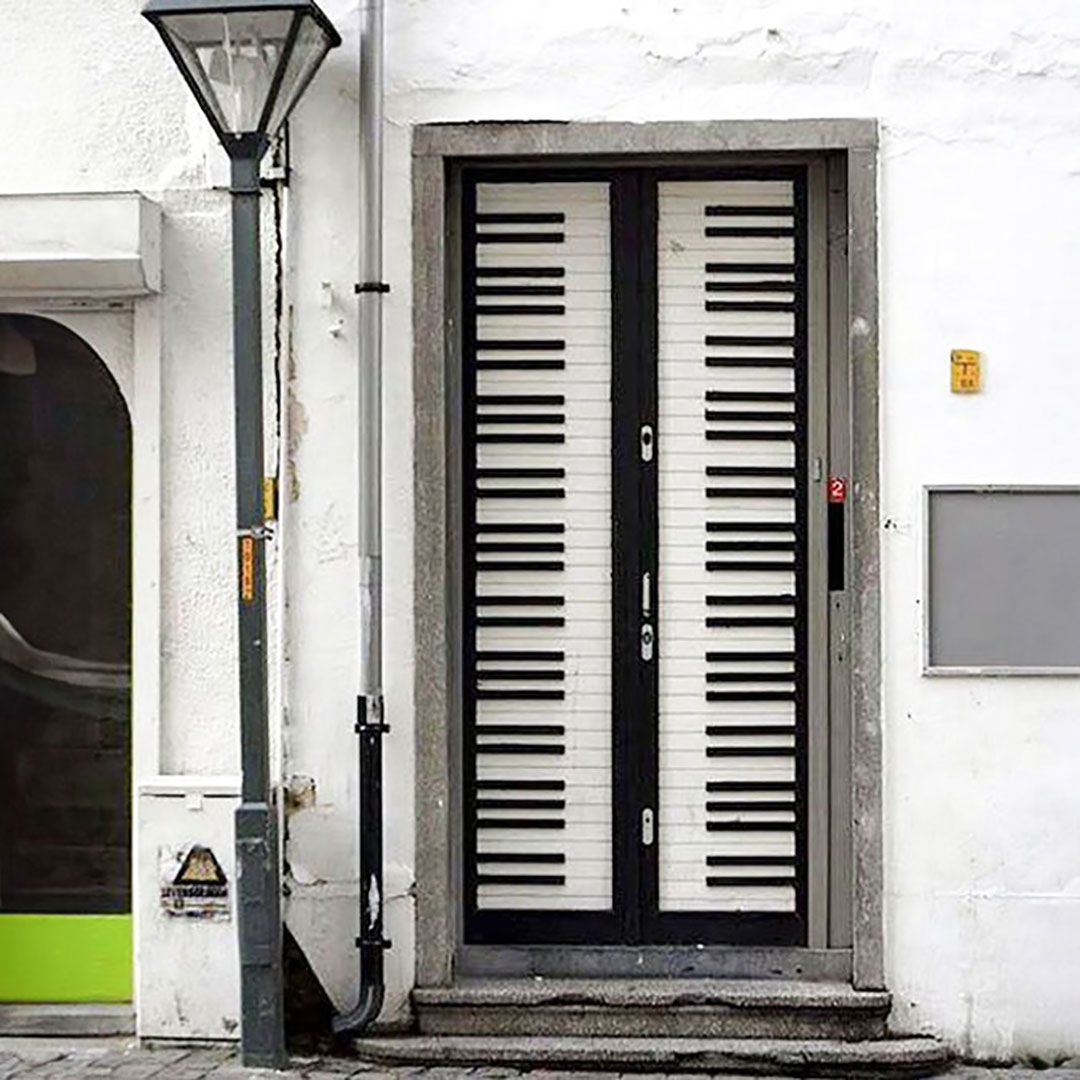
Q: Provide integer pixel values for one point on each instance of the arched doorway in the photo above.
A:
(65, 644)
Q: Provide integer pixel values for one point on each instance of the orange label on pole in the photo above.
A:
(247, 569)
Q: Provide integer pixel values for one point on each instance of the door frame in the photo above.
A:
(125, 335)
(849, 148)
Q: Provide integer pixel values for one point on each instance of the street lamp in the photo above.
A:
(247, 63)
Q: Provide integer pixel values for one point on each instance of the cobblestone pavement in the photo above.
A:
(123, 1059)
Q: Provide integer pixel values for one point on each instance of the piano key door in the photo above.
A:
(639, 670)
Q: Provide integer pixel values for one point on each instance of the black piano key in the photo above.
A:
(520, 601)
(533, 749)
(521, 474)
(521, 804)
(520, 729)
(749, 305)
(750, 436)
(749, 268)
(517, 546)
(748, 545)
(520, 365)
(750, 361)
(529, 694)
(521, 527)
(728, 622)
(521, 418)
(750, 695)
(546, 217)
(731, 881)
(722, 566)
(521, 290)
(733, 492)
(523, 345)
(750, 826)
(524, 565)
(521, 399)
(539, 858)
(751, 470)
(729, 656)
(716, 600)
(520, 823)
(520, 493)
(521, 785)
(521, 621)
(521, 438)
(750, 286)
(717, 415)
(719, 806)
(522, 271)
(773, 232)
(520, 879)
(553, 656)
(749, 676)
(521, 675)
(741, 730)
(749, 526)
(749, 395)
(520, 238)
(725, 210)
(720, 340)
(749, 860)
(520, 309)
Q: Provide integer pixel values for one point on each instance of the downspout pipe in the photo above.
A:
(370, 722)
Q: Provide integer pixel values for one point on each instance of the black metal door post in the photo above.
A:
(262, 1034)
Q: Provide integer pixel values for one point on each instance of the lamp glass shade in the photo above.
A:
(247, 67)
(309, 49)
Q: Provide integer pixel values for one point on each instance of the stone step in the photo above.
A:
(653, 1008)
(908, 1057)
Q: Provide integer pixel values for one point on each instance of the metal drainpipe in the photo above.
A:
(370, 726)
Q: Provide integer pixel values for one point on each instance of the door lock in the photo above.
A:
(647, 639)
(648, 827)
(647, 440)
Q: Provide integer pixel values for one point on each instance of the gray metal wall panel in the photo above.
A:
(1004, 578)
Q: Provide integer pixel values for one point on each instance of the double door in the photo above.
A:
(645, 612)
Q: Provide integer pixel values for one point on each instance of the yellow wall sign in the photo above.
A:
(966, 368)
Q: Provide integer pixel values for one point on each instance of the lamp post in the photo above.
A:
(247, 63)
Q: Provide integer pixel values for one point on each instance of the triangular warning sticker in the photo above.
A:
(200, 868)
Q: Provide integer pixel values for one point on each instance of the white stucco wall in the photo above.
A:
(979, 104)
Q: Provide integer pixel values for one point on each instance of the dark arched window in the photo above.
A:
(65, 625)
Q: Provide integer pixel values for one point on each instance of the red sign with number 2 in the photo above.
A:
(837, 489)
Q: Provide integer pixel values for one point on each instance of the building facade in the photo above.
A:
(861, 191)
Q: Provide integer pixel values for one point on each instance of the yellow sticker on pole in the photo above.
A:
(269, 498)
(966, 371)
(247, 569)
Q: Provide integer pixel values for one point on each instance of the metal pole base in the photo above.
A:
(262, 1028)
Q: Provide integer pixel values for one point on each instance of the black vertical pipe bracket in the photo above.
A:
(371, 943)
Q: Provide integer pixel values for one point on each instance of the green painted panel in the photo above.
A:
(65, 957)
